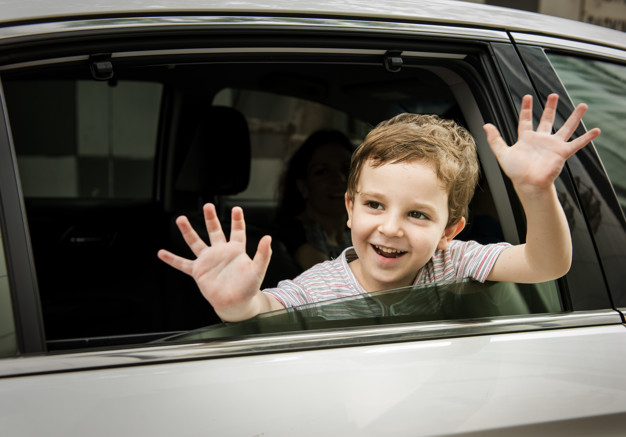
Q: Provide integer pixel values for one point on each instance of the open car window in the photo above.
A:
(115, 155)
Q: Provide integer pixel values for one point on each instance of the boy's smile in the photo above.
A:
(388, 252)
(398, 219)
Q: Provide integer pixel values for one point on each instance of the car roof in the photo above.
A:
(454, 12)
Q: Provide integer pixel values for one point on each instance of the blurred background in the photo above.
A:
(607, 13)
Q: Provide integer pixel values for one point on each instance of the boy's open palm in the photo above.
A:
(534, 162)
(225, 274)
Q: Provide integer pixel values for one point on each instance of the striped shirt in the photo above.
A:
(334, 279)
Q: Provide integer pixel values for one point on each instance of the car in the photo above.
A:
(117, 117)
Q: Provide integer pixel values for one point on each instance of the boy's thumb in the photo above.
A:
(494, 139)
(263, 253)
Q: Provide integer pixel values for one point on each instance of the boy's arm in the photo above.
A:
(533, 164)
(225, 274)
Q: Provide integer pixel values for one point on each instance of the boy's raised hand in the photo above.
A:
(534, 162)
(225, 274)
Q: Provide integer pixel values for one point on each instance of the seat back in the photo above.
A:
(218, 158)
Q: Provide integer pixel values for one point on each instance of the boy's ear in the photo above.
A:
(450, 232)
(349, 207)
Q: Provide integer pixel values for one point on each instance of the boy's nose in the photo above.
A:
(391, 226)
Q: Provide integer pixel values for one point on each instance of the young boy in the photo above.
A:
(408, 191)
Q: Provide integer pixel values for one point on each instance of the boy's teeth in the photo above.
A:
(387, 250)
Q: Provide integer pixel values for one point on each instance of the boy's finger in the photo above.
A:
(572, 122)
(497, 144)
(178, 262)
(525, 122)
(549, 112)
(213, 225)
(238, 226)
(190, 236)
(263, 254)
(582, 141)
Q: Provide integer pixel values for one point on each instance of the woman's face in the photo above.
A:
(324, 186)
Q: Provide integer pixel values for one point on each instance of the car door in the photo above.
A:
(520, 359)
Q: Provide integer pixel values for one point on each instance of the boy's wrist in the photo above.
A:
(246, 310)
(241, 311)
(534, 192)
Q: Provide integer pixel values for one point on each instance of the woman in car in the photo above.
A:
(311, 215)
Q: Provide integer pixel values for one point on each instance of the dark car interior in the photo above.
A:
(95, 248)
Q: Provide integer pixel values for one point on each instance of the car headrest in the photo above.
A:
(218, 160)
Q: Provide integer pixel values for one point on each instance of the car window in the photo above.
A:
(114, 156)
(602, 85)
(451, 300)
(84, 139)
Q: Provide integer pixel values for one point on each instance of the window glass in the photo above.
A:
(602, 85)
(441, 301)
(84, 139)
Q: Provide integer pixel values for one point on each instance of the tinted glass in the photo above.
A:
(602, 85)
(443, 301)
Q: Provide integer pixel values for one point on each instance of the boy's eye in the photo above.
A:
(418, 215)
(373, 205)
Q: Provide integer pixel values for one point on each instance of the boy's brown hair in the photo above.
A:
(449, 147)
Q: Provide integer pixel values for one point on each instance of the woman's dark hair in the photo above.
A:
(291, 203)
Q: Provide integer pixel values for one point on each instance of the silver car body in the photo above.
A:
(556, 382)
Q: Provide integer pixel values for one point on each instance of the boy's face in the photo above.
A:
(397, 219)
